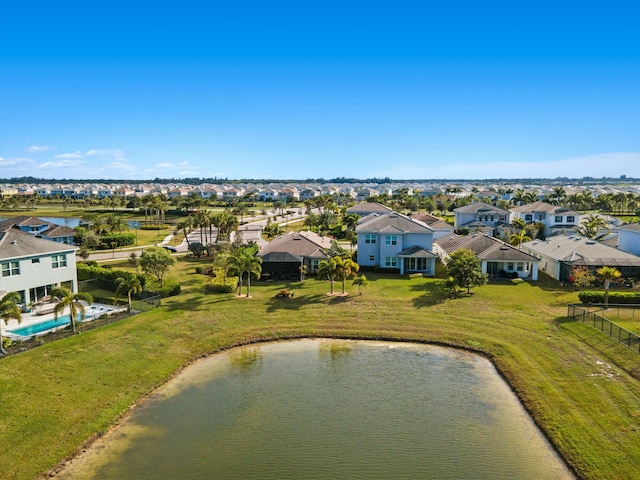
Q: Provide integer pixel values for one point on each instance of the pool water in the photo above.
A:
(44, 326)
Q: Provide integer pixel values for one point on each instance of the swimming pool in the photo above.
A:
(44, 326)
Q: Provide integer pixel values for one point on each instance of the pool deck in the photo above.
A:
(32, 318)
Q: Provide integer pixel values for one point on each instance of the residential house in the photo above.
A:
(32, 266)
(496, 257)
(482, 217)
(395, 241)
(283, 257)
(559, 254)
(629, 238)
(556, 219)
(39, 228)
(367, 208)
(439, 226)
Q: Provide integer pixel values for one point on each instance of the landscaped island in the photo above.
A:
(579, 385)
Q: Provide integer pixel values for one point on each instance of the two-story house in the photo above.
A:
(629, 238)
(395, 241)
(556, 219)
(32, 266)
(481, 217)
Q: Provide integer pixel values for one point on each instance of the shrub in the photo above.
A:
(199, 270)
(284, 293)
(169, 288)
(222, 285)
(105, 277)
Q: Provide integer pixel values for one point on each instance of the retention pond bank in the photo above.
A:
(328, 409)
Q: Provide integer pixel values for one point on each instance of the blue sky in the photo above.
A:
(309, 89)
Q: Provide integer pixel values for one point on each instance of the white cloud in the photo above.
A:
(69, 155)
(65, 163)
(37, 148)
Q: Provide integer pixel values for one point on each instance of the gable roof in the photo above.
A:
(480, 207)
(391, 223)
(293, 246)
(433, 221)
(581, 250)
(485, 247)
(15, 244)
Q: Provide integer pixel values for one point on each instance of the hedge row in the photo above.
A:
(624, 298)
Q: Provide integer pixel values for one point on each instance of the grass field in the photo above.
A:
(582, 388)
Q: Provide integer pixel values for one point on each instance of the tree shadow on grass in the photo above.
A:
(293, 303)
(432, 294)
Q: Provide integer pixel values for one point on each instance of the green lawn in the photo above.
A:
(581, 387)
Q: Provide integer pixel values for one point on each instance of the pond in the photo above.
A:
(328, 409)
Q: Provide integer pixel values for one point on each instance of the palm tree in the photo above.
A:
(9, 309)
(185, 225)
(361, 282)
(72, 300)
(345, 268)
(518, 238)
(328, 268)
(131, 285)
(608, 275)
(116, 223)
(245, 260)
(592, 226)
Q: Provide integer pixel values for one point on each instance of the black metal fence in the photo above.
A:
(596, 320)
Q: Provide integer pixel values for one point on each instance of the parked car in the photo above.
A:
(171, 249)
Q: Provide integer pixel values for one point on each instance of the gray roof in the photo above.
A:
(433, 221)
(631, 227)
(544, 207)
(485, 247)
(480, 207)
(417, 252)
(367, 208)
(293, 246)
(581, 250)
(15, 244)
(391, 223)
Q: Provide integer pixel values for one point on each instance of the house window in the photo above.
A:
(35, 260)
(528, 217)
(391, 240)
(571, 219)
(558, 219)
(314, 264)
(370, 238)
(9, 269)
(520, 266)
(390, 262)
(510, 266)
(58, 261)
(372, 258)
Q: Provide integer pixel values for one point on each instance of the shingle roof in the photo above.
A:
(576, 249)
(367, 208)
(485, 247)
(295, 245)
(480, 207)
(543, 207)
(392, 223)
(15, 244)
(434, 222)
(417, 251)
(631, 227)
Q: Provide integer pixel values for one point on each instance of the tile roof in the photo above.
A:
(485, 247)
(576, 249)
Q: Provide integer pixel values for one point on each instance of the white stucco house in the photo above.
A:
(395, 241)
(556, 219)
(497, 258)
(482, 217)
(32, 266)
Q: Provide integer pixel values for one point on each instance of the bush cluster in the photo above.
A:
(625, 298)
(120, 239)
(222, 285)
